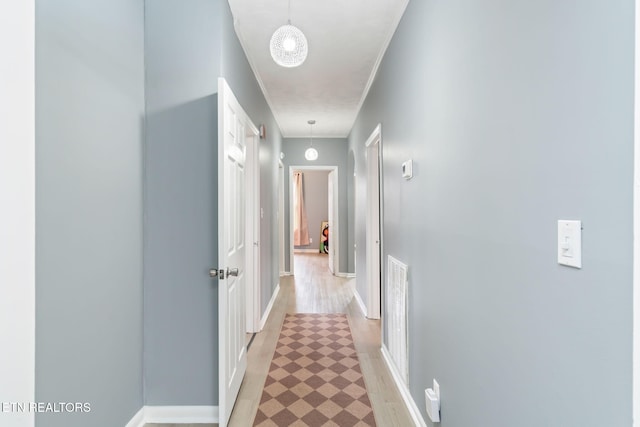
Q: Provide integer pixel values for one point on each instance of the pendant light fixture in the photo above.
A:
(311, 154)
(288, 45)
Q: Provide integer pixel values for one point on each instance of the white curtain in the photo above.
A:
(300, 224)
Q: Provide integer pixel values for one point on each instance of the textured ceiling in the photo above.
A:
(347, 39)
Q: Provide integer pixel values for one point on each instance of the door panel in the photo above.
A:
(232, 225)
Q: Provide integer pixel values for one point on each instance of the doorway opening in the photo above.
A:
(321, 201)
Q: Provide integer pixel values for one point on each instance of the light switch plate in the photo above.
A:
(407, 169)
(570, 243)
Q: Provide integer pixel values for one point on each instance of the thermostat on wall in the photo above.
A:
(407, 169)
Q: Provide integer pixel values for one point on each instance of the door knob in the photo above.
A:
(219, 273)
(232, 272)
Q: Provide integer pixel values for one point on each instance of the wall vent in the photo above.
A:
(396, 312)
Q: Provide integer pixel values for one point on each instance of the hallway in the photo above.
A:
(315, 290)
(498, 123)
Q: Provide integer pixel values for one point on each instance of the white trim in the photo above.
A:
(265, 316)
(307, 251)
(181, 414)
(373, 216)
(17, 216)
(346, 275)
(175, 414)
(285, 273)
(252, 226)
(137, 420)
(336, 206)
(416, 416)
(636, 230)
(358, 298)
(291, 245)
(333, 191)
(253, 66)
(375, 136)
(383, 50)
(281, 210)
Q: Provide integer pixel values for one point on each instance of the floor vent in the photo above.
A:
(396, 312)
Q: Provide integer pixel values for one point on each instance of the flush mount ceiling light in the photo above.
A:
(311, 154)
(288, 45)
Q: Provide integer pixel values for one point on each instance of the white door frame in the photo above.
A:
(252, 235)
(331, 218)
(336, 207)
(636, 229)
(17, 217)
(373, 146)
(281, 237)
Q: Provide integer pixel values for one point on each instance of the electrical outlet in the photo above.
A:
(310, 240)
(432, 398)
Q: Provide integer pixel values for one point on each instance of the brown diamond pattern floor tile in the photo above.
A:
(315, 378)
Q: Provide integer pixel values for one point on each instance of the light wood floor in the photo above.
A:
(315, 290)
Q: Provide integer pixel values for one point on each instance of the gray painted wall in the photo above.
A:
(183, 43)
(238, 73)
(90, 172)
(516, 114)
(188, 46)
(89, 148)
(316, 201)
(332, 152)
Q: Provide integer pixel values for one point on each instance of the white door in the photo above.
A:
(373, 245)
(332, 223)
(232, 122)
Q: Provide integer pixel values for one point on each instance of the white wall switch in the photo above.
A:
(570, 243)
(407, 169)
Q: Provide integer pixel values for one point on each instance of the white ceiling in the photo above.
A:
(347, 39)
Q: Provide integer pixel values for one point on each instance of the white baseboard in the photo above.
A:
(416, 416)
(285, 273)
(358, 298)
(137, 420)
(346, 275)
(182, 414)
(175, 414)
(306, 251)
(265, 316)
